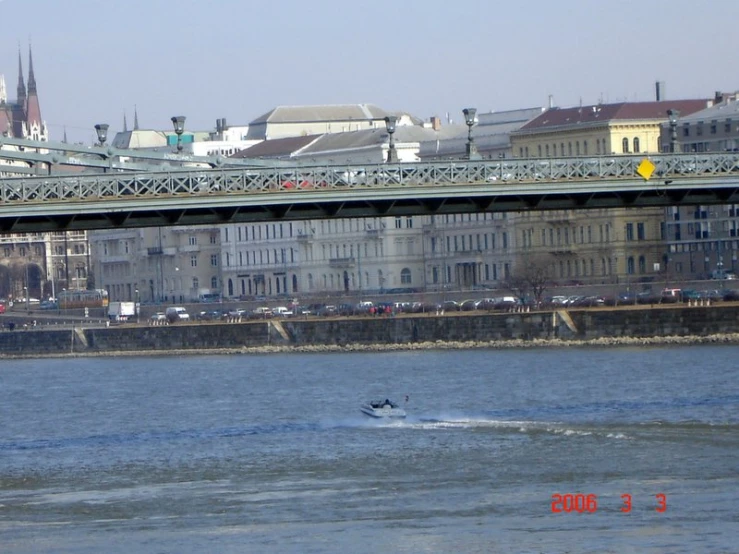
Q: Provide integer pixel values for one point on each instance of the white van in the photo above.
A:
(177, 313)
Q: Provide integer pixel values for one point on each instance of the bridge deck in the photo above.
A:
(220, 195)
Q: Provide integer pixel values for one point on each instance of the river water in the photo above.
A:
(269, 453)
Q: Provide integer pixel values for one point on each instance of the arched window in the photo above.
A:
(214, 282)
(405, 276)
(625, 145)
(636, 145)
(630, 265)
(642, 264)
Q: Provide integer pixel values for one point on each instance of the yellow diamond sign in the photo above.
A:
(645, 169)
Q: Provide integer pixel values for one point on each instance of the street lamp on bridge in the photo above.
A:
(673, 116)
(102, 131)
(470, 118)
(392, 153)
(178, 122)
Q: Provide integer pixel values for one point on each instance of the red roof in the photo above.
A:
(604, 113)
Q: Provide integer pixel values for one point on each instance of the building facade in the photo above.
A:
(615, 245)
(36, 265)
(158, 264)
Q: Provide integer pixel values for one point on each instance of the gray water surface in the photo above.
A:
(269, 453)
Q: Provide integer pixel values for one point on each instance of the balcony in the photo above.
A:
(160, 251)
(342, 263)
(305, 236)
(375, 233)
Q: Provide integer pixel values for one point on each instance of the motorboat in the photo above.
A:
(380, 409)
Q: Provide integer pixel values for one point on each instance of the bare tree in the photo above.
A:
(531, 276)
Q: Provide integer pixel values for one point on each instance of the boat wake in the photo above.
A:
(482, 424)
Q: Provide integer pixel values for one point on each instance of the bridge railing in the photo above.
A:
(203, 182)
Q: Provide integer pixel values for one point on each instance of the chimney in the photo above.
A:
(223, 124)
(435, 123)
(551, 101)
(659, 89)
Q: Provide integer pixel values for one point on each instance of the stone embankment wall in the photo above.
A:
(574, 326)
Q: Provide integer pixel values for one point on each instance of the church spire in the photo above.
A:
(135, 118)
(21, 84)
(65, 135)
(125, 123)
(31, 78)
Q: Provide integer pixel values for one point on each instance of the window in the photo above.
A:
(625, 145)
(630, 265)
(629, 231)
(642, 264)
(195, 283)
(214, 239)
(727, 126)
(405, 276)
(214, 282)
(192, 240)
(686, 130)
(714, 127)
(637, 146)
(640, 233)
(398, 223)
(214, 260)
(193, 261)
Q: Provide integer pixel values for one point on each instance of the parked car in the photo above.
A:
(282, 311)
(159, 316)
(671, 295)
(177, 313)
(262, 312)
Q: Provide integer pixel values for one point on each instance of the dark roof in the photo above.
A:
(276, 148)
(604, 113)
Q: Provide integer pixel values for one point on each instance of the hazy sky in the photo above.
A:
(206, 59)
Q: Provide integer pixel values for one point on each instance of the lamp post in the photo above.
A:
(392, 153)
(178, 122)
(137, 307)
(673, 115)
(470, 118)
(102, 131)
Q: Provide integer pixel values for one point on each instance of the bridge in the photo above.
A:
(125, 190)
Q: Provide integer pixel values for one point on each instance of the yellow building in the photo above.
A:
(605, 245)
